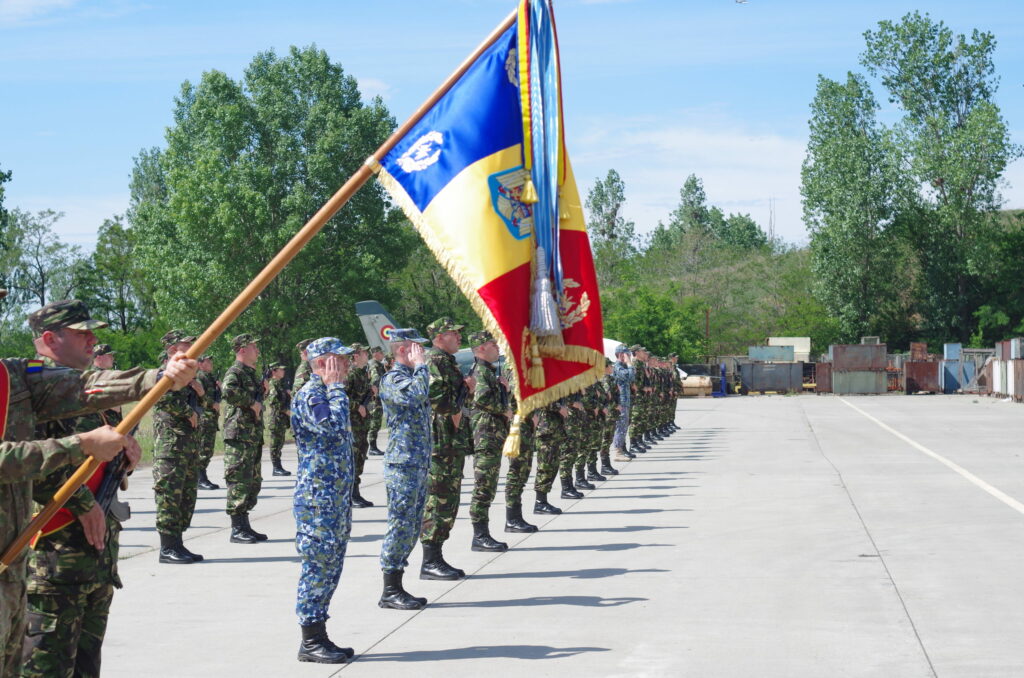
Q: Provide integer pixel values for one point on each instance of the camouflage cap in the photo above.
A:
(102, 349)
(325, 345)
(407, 334)
(58, 315)
(673, 355)
(621, 348)
(243, 340)
(637, 347)
(443, 324)
(303, 344)
(176, 337)
(276, 366)
(608, 362)
(376, 349)
(356, 347)
(480, 338)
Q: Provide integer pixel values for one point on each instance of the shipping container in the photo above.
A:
(801, 347)
(771, 354)
(858, 357)
(1003, 350)
(951, 351)
(997, 378)
(1016, 348)
(921, 377)
(823, 378)
(1018, 380)
(918, 351)
(779, 378)
(859, 382)
(950, 376)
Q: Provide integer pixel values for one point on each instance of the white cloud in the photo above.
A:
(372, 87)
(83, 214)
(13, 12)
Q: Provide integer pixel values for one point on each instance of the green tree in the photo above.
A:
(43, 268)
(112, 282)
(657, 320)
(247, 163)
(612, 236)
(740, 230)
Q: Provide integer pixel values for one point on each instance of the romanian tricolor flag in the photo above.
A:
(484, 177)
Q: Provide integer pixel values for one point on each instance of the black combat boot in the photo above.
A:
(279, 470)
(542, 507)
(195, 556)
(395, 596)
(606, 465)
(592, 473)
(259, 535)
(171, 552)
(581, 482)
(358, 501)
(514, 520)
(317, 647)
(241, 533)
(483, 541)
(568, 491)
(374, 450)
(434, 566)
(204, 482)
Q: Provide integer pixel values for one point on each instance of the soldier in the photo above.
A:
(322, 505)
(490, 423)
(574, 442)
(176, 460)
(243, 438)
(639, 417)
(73, 564)
(612, 412)
(35, 393)
(357, 386)
(103, 357)
(452, 442)
(377, 368)
(677, 389)
(302, 371)
(624, 375)
(550, 444)
(278, 403)
(590, 437)
(209, 422)
(518, 468)
(405, 395)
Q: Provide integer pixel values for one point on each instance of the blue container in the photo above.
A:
(951, 351)
(950, 376)
(771, 354)
(969, 370)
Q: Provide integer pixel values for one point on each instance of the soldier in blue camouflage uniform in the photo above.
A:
(278, 402)
(357, 386)
(377, 369)
(323, 494)
(405, 395)
(518, 468)
(490, 421)
(209, 423)
(243, 438)
(624, 375)
(453, 440)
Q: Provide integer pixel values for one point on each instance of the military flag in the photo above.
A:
(486, 180)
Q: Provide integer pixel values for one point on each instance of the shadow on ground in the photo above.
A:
(481, 652)
(592, 573)
(581, 601)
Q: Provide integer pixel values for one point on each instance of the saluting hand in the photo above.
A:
(417, 356)
(332, 370)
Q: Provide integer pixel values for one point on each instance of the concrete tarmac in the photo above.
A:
(772, 536)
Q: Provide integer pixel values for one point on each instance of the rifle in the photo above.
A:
(106, 494)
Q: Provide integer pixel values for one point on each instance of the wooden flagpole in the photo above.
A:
(246, 297)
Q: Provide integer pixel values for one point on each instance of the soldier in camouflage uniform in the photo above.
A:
(322, 504)
(452, 441)
(624, 375)
(357, 386)
(575, 444)
(405, 395)
(677, 389)
(589, 437)
(243, 438)
(550, 444)
(209, 422)
(612, 410)
(176, 460)
(518, 468)
(377, 369)
(302, 371)
(490, 423)
(278, 403)
(640, 416)
(35, 393)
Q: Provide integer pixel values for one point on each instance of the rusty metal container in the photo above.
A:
(859, 382)
(779, 378)
(1003, 350)
(1018, 380)
(918, 351)
(921, 376)
(823, 378)
(858, 358)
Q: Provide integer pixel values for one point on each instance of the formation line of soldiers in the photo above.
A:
(437, 418)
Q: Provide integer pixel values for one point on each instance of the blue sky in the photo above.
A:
(653, 88)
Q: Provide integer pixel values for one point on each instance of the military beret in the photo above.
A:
(621, 348)
(303, 344)
(243, 340)
(176, 337)
(102, 349)
(325, 345)
(443, 324)
(407, 334)
(58, 315)
(480, 338)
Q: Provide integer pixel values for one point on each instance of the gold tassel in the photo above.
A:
(512, 441)
(528, 195)
(536, 372)
(552, 346)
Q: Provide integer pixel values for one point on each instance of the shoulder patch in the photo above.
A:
(33, 366)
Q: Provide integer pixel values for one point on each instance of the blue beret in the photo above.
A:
(326, 345)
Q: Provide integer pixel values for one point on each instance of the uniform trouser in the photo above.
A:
(549, 449)
(444, 485)
(407, 497)
(486, 469)
(519, 471)
(637, 420)
(621, 427)
(576, 435)
(278, 427)
(175, 474)
(12, 621)
(207, 442)
(64, 631)
(321, 540)
(590, 441)
(360, 428)
(243, 475)
(376, 420)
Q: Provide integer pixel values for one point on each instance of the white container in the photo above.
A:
(997, 377)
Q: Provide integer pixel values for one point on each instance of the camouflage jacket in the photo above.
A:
(624, 378)
(377, 371)
(526, 424)
(550, 421)
(278, 402)
(302, 373)
(642, 379)
(405, 395)
(323, 438)
(357, 386)
(211, 396)
(173, 412)
(612, 396)
(38, 394)
(448, 395)
(242, 389)
(490, 403)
